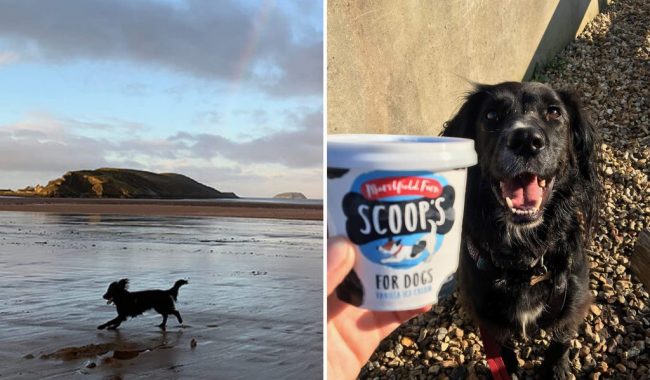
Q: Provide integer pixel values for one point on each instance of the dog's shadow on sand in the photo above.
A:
(117, 346)
(127, 344)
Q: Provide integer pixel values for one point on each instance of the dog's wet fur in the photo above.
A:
(532, 198)
(132, 304)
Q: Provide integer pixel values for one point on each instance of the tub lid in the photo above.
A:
(399, 152)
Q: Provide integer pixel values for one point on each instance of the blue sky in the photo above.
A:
(226, 92)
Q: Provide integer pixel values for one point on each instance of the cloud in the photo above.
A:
(282, 161)
(297, 148)
(255, 180)
(28, 134)
(215, 40)
(7, 57)
(208, 118)
(49, 153)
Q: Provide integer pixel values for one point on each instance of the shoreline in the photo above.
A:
(163, 207)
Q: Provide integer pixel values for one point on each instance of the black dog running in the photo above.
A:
(132, 304)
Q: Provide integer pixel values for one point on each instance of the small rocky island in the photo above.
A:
(122, 183)
(290, 196)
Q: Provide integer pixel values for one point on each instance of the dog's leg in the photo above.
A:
(164, 322)
(113, 321)
(556, 361)
(178, 316)
(509, 359)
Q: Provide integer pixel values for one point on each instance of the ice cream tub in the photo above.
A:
(400, 200)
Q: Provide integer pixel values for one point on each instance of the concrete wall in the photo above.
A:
(405, 66)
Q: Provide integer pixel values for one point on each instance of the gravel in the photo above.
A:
(609, 67)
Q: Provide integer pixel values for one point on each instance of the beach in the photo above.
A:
(252, 308)
(272, 208)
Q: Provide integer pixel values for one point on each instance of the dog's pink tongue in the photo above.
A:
(523, 191)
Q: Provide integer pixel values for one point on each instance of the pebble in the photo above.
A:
(448, 363)
(442, 333)
(632, 352)
(423, 334)
(407, 342)
(595, 309)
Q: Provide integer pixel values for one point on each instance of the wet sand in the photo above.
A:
(252, 308)
(224, 208)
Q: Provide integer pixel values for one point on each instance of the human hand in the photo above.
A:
(353, 334)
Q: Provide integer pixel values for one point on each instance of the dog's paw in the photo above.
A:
(101, 327)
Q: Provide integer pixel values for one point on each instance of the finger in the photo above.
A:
(405, 315)
(387, 321)
(340, 260)
(335, 307)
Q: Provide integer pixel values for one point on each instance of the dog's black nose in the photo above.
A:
(526, 141)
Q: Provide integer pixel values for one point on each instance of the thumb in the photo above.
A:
(340, 260)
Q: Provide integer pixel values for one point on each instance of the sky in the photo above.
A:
(227, 92)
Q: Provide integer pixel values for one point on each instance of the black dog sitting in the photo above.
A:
(532, 201)
(132, 304)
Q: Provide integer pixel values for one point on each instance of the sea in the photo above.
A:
(253, 307)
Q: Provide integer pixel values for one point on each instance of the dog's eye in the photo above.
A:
(554, 112)
(492, 115)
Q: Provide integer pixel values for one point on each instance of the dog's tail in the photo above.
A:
(174, 290)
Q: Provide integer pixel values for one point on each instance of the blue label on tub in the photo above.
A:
(399, 219)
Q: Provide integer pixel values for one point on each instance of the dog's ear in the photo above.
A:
(585, 143)
(583, 135)
(123, 283)
(463, 124)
